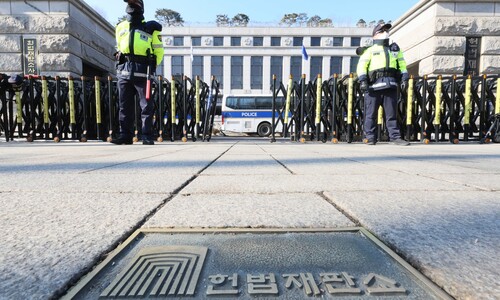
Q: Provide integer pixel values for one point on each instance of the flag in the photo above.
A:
(192, 56)
(304, 53)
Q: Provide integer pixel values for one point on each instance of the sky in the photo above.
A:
(343, 13)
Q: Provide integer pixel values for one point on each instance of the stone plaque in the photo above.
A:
(282, 265)
(472, 55)
(30, 56)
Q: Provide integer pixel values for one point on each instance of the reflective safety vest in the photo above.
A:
(140, 41)
(379, 60)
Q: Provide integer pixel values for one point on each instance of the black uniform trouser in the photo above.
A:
(388, 98)
(127, 89)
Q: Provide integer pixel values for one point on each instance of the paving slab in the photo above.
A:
(94, 183)
(306, 164)
(164, 164)
(221, 184)
(452, 237)
(488, 181)
(328, 164)
(248, 210)
(339, 166)
(440, 164)
(246, 164)
(244, 148)
(50, 237)
(422, 160)
(108, 158)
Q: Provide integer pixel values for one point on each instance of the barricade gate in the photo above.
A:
(433, 109)
(87, 109)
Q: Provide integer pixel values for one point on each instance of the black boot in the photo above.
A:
(122, 141)
(148, 142)
(400, 142)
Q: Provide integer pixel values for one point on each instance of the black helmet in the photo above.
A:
(381, 28)
(16, 81)
(134, 7)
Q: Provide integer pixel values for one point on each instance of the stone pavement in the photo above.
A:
(64, 206)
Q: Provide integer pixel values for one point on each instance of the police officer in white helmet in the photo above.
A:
(380, 70)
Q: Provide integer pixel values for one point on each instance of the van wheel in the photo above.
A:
(264, 129)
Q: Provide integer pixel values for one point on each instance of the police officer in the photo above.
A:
(139, 46)
(380, 69)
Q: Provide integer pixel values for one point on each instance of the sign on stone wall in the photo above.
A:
(30, 56)
(472, 55)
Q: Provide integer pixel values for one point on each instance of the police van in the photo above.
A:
(249, 113)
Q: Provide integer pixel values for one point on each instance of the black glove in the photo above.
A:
(404, 85)
(363, 86)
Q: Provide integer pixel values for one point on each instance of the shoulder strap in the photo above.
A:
(394, 47)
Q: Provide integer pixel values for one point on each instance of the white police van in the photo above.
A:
(248, 113)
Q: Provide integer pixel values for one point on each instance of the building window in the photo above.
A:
(354, 64)
(236, 72)
(275, 41)
(296, 67)
(235, 41)
(196, 41)
(297, 41)
(177, 67)
(218, 41)
(277, 68)
(316, 66)
(316, 41)
(355, 41)
(217, 69)
(338, 41)
(178, 41)
(198, 66)
(256, 72)
(258, 41)
(336, 65)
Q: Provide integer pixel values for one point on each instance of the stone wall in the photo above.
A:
(433, 35)
(69, 34)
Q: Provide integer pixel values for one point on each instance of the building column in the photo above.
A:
(326, 73)
(167, 67)
(207, 68)
(227, 75)
(188, 66)
(266, 77)
(286, 68)
(346, 65)
(246, 73)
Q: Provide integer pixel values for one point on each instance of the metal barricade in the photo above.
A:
(433, 109)
(46, 108)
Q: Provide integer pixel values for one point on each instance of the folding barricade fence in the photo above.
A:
(432, 109)
(87, 109)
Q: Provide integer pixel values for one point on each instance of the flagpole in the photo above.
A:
(305, 58)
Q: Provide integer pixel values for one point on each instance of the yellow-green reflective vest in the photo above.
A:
(379, 57)
(142, 41)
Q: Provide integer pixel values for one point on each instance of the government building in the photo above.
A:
(70, 38)
(244, 59)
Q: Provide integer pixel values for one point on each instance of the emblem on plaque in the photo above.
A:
(159, 272)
